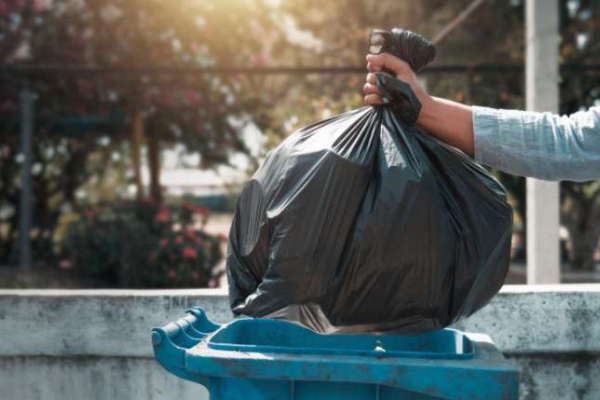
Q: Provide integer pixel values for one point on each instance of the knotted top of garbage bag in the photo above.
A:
(406, 45)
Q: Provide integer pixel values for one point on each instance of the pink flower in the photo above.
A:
(164, 215)
(179, 239)
(192, 98)
(6, 105)
(260, 59)
(190, 253)
(201, 211)
(41, 5)
(190, 234)
(196, 275)
(199, 241)
(90, 213)
(172, 274)
(163, 242)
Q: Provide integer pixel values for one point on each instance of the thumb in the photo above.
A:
(389, 62)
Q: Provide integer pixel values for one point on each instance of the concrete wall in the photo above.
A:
(96, 344)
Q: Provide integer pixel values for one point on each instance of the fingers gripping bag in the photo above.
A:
(365, 223)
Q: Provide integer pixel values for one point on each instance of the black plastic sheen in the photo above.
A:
(364, 223)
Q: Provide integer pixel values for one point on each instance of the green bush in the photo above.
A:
(143, 244)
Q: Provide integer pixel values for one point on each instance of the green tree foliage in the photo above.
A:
(83, 121)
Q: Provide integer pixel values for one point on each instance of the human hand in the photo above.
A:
(376, 63)
(446, 120)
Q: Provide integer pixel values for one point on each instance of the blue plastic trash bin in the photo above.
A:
(259, 359)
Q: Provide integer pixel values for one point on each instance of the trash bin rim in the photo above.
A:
(214, 341)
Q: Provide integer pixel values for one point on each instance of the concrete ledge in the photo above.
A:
(520, 319)
(541, 319)
(113, 323)
(53, 378)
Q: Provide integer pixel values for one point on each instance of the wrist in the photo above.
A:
(427, 109)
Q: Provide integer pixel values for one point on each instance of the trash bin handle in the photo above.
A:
(171, 341)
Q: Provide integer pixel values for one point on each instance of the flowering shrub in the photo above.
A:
(143, 244)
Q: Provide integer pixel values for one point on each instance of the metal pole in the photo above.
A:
(25, 212)
(541, 76)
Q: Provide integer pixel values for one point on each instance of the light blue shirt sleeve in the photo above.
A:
(539, 145)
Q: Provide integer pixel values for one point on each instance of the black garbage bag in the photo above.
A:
(365, 223)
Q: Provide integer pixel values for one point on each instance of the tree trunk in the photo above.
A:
(137, 139)
(154, 164)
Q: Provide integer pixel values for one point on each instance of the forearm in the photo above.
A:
(448, 121)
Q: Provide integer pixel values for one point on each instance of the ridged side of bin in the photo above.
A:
(171, 342)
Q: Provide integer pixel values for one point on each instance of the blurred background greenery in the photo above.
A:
(151, 114)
